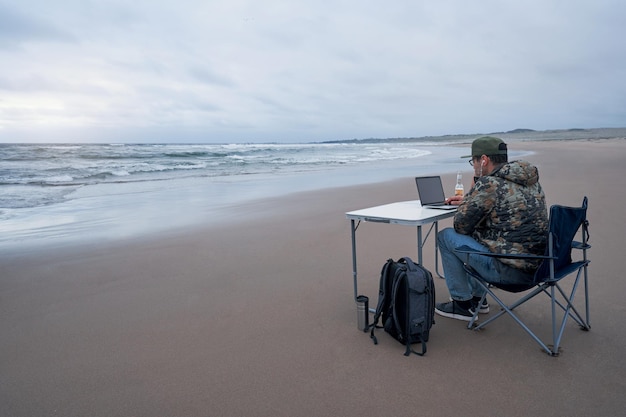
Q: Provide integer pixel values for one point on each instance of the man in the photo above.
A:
(504, 212)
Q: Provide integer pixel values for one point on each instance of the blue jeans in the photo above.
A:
(462, 286)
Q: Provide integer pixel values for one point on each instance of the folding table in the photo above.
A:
(408, 213)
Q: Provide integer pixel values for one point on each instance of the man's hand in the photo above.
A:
(454, 200)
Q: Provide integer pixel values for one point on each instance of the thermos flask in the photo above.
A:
(362, 311)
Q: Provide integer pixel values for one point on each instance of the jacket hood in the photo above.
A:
(519, 172)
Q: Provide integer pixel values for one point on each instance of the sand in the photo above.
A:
(258, 318)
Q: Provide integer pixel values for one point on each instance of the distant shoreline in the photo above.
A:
(516, 134)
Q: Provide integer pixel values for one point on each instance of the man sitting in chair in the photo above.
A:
(504, 212)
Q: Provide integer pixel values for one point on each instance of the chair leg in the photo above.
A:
(574, 314)
(555, 340)
(504, 307)
(509, 310)
(567, 306)
(570, 310)
(587, 322)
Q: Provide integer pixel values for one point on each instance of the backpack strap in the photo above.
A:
(409, 263)
(382, 289)
(382, 298)
(409, 350)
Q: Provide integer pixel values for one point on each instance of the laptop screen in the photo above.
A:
(430, 190)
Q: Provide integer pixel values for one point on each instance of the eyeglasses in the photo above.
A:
(471, 162)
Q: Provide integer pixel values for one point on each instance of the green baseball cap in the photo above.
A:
(487, 145)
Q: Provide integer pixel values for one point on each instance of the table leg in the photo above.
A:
(437, 251)
(353, 231)
(419, 245)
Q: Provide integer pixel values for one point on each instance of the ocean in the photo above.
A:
(52, 194)
(41, 175)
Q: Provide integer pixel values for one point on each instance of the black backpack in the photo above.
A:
(406, 301)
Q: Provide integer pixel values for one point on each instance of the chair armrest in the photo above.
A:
(580, 245)
(466, 249)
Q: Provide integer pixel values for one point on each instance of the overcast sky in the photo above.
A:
(310, 70)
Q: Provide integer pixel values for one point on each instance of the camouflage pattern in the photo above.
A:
(506, 212)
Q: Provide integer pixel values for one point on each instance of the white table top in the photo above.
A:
(409, 213)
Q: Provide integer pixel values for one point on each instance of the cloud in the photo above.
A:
(243, 70)
(17, 28)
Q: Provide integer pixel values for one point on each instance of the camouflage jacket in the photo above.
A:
(506, 212)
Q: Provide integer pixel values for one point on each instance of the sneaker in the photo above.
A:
(484, 307)
(454, 310)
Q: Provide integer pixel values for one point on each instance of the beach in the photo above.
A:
(257, 318)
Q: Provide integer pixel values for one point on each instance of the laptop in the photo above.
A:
(431, 193)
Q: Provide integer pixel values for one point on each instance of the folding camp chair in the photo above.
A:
(557, 263)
